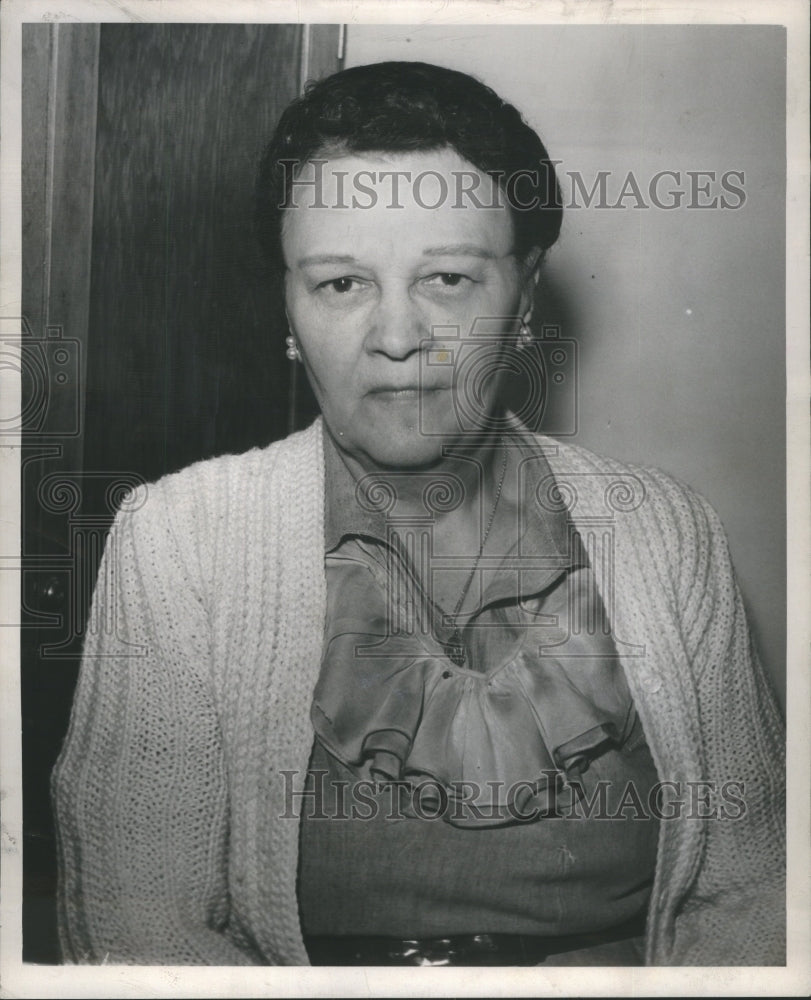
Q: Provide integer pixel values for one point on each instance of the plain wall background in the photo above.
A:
(679, 315)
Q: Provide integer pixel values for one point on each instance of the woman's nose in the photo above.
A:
(397, 326)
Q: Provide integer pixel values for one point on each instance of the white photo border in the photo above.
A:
(134, 981)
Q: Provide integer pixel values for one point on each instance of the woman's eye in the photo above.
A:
(447, 279)
(339, 285)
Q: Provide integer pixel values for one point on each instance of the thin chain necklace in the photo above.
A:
(454, 648)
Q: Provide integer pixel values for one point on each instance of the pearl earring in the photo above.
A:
(292, 349)
(524, 336)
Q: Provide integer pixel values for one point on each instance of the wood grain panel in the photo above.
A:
(320, 57)
(74, 119)
(59, 111)
(187, 356)
(37, 42)
(60, 72)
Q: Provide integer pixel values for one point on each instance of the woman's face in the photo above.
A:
(382, 297)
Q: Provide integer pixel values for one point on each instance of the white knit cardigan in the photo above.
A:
(202, 651)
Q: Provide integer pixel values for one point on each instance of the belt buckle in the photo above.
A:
(469, 949)
(426, 952)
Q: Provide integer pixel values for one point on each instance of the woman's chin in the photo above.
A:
(395, 435)
(406, 450)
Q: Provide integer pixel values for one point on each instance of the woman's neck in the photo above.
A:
(464, 468)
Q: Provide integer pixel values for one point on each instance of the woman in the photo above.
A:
(416, 685)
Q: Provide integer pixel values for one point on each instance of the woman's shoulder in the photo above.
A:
(227, 492)
(232, 478)
(572, 461)
(595, 485)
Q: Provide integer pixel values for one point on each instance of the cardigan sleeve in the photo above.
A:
(735, 912)
(139, 790)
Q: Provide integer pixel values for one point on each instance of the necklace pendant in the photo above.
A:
(455, 650)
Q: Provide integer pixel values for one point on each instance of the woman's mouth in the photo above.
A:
(404, 393)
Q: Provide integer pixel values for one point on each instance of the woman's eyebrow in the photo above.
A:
(450, 250)
(326, 258)
(460, 250)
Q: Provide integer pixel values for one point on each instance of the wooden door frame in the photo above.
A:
(58, 169)
(322, 53)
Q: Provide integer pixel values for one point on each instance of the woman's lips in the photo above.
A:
(405, 392)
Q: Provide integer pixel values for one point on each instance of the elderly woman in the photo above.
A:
(418, 685)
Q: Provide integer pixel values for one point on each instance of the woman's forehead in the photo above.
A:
(404, 200)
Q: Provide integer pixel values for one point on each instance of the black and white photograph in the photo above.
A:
(406, 416)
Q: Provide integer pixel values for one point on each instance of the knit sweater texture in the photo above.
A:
(177, 830)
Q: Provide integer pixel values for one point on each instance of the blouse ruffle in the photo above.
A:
(479, 747)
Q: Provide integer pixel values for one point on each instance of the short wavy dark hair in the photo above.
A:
(396, 107)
